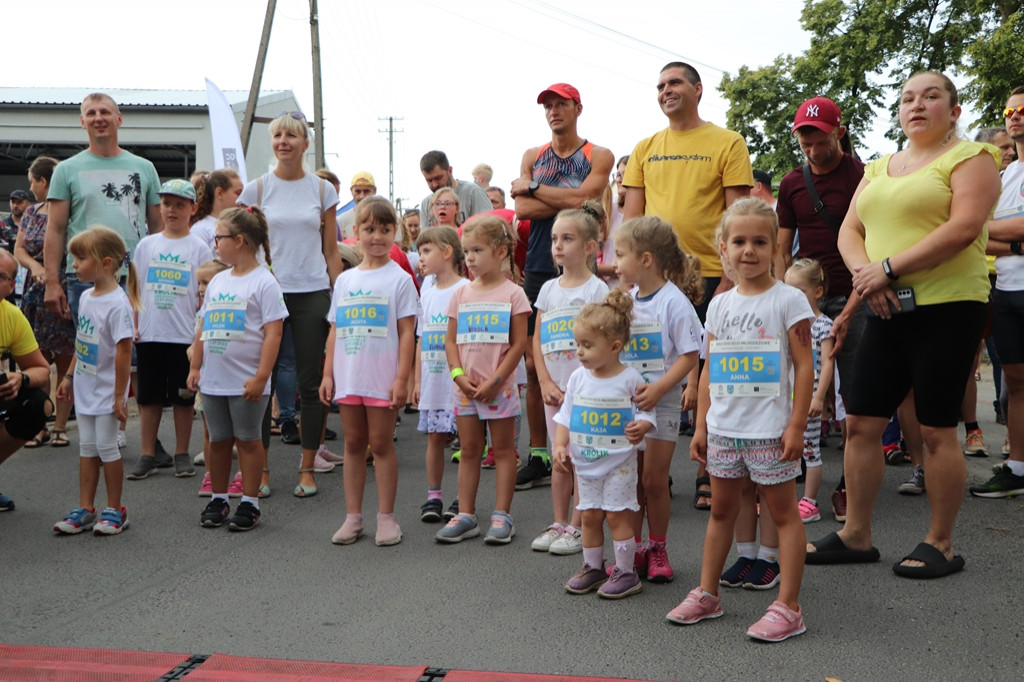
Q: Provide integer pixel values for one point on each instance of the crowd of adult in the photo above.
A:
(918, 220)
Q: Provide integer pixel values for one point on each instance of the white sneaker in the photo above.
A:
(122, 439)
(543, 541)
(329, 456)
(321, 465)
(569, 542)
(199, 460)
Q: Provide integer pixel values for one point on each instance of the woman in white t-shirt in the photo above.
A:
(300, 210)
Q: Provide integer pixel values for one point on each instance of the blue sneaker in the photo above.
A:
(75, 522)
(461, 527)
(6, 503)
(763, 575)
(501, 531)
(112, 521)
(734, 575)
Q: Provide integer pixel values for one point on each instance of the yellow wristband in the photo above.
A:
(458, 372)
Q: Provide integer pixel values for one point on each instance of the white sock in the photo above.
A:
(769, 554)
(747, 550)
(220, 496)
(254, 501)
(1016, 467)
(811, 500)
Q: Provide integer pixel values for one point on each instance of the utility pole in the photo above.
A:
(257, 76)
(318, 103)
(391, 153)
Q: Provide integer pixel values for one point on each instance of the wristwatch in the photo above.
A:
(533, 187)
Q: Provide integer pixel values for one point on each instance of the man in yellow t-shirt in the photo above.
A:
(688, 174)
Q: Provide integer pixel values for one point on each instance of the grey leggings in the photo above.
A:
(307, 315)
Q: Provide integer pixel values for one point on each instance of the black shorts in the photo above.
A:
(163, 372)
(1008, 325)
(532, 283)
(847, 354)
(930, 350)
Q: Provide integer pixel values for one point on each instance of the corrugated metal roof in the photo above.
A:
(124, 97)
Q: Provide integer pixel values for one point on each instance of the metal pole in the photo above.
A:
(318, 104)
(257, 76)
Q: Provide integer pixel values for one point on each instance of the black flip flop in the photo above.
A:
(936, 565)
(831, 550)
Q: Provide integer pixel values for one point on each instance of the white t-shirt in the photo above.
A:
(596, 412)
(365, 310)
(102, 322)
(170, 291)
(294, 212)
(234, 312)
(557, 308)
(205, 229)
(749, 361)
(665, 326)
(437, 390)
(1010, 269)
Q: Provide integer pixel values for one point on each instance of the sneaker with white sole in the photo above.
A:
(329, 456)
(144, 468)
(1004, 483)
(570, 542)
(183, 466)
(502, 529)
(778, 623)
(246, 517)
(587, 579)
(696, 607)
(913, 485)
(809, 511)
(763, 575)
(974, 445)
(620, 585)
(235, 487)
(77, 521)
(460, 527)
(206, 489)
(112, 521)
(215, 514)
(199, 460)
(734, 575)
(321, 465)
(542, 543)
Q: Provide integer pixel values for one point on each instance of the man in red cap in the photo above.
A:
(833, 173)
(559, 174)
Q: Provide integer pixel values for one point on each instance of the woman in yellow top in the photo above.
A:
(917, 222)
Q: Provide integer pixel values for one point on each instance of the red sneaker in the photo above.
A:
(658, 568)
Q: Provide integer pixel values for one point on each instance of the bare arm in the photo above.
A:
(54, 244)
(559, 198)
(1007, 229)
(784, 258)
(329, 245)
(636, 203)
(803, 385)
(734, 192)
(34, 267)
(406, 349)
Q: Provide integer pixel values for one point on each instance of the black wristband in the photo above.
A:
(1015, 248)
(887, 269)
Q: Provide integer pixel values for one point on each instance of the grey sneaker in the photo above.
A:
(620, 584)
(501, 531)
(913, 485)
(144, 468)
(183, 466)
(163, 458)
(461, 527)
(586, 580)
(77, 521)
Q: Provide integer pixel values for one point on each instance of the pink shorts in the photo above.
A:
(362, 400)
(506, 404)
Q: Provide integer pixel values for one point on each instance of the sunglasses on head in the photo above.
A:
(297, 115)
(1010, 111)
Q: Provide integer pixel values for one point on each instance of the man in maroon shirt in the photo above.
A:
(835, 175)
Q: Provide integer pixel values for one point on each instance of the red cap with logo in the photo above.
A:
(562, 90)
(818, 112)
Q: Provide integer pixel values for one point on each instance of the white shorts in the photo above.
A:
(614, 492)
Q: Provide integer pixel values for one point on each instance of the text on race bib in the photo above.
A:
(556, 329)
(745, 369)
(597, 424)
(362, 315)
(484, 322)
(644, 352)
(224, 320)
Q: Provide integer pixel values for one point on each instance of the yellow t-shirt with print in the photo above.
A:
(16, 335)
(898, 212)
(684, 174)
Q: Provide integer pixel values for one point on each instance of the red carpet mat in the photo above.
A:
(480, 676)
(220, 667)
(84, 665)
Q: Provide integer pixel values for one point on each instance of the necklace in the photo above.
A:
(907, 162)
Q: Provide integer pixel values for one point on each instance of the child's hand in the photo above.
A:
(253, 389)
(486, 392)
(817, 405)
(699, 446)
(560, 455)
(690, 397)
(636, 430)
(647, 396)
(466, 385)
(416, 395)
(193, 380)
(121, 409)
(65, 390)
(327, 390)
(792, 444)
(399, 393)
(551, 394)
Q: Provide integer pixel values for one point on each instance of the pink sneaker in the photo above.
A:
(329, 456)
(658, 568)
(349, 532)
(778, 623)
(488, 462)
(696, 607)
(235, 487)
(640, 558)
(321, 465)
(206, 489)
(809, 512)
(388, 532)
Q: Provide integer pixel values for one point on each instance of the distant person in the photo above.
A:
(763, 187)
(497, 197)
(438, 173)
(363, 185)
(615, 205)
(482, 175)
(20, 200)
(215, 193)
(998, 137)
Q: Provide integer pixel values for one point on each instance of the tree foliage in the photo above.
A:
(860, 52)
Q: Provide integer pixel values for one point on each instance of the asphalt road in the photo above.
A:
(284, 591)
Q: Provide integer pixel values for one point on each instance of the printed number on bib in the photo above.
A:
(484, 322)
(599, 424)
(745, 369)
(86, 352)
(168, 276)
(364, 315)
(644, 350)
(224, 320)
(556, 329)
(432, 342)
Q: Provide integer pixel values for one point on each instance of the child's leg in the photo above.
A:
(593, 537)
(353, 422)
(381, 424)
(435, 459)
(812, 457)
(746, 520)
(471, 435)
(781, 501)
(725, 507)
(638, 516)
(250, 463)
(110, 455)
(503, 444)
(657, 461)
(561, 475)
(88, 461)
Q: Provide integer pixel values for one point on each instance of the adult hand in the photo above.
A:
(9, 389)
(56, 301)
(520, 186)
(880, 300)
(870, 278)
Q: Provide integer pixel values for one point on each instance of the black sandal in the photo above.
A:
(702, 494)
(38, 440)
(60, 439)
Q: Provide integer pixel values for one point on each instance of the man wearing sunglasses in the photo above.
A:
(1005, 234)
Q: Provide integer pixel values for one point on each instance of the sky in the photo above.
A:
(462, 75)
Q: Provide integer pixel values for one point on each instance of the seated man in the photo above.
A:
(24, 405)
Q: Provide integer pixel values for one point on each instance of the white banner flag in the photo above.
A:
(227, 144)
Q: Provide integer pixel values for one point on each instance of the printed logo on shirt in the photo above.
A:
(679, 157)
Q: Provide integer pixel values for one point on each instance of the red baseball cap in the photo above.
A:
(562, 90)
(818, 112)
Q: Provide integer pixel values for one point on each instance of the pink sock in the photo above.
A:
(624, 551)
(593, 556)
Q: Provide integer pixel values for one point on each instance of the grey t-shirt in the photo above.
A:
(472, 200)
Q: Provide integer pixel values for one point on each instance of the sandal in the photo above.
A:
(275, 426)
(305, 490)
(60, 439)
(701, 495)
(38, 439)
(265, 487)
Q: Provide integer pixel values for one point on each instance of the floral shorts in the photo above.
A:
(761, 458)
(506, 404)
(614, 492)
(436, 421)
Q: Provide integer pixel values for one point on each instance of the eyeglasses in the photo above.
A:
(297, 115)
(218, 237)
(1010, 111)
(445, 204)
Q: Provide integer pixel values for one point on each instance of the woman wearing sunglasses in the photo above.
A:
(300, 210)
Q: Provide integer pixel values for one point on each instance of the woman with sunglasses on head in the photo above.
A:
(300, 210)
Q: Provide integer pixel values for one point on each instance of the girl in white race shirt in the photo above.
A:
(215, 193)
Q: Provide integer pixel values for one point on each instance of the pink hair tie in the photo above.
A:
(249, 209)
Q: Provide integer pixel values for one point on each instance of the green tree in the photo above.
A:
(994, 65)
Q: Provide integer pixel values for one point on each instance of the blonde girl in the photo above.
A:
(444, 206)
(600, 425)
(574, 241)
(369, 360)
(664, 343)
(232, 358)
(98, 377)
(487, 321)
(751, 415)
(808, 276)
(215, 192)
(433, 391)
